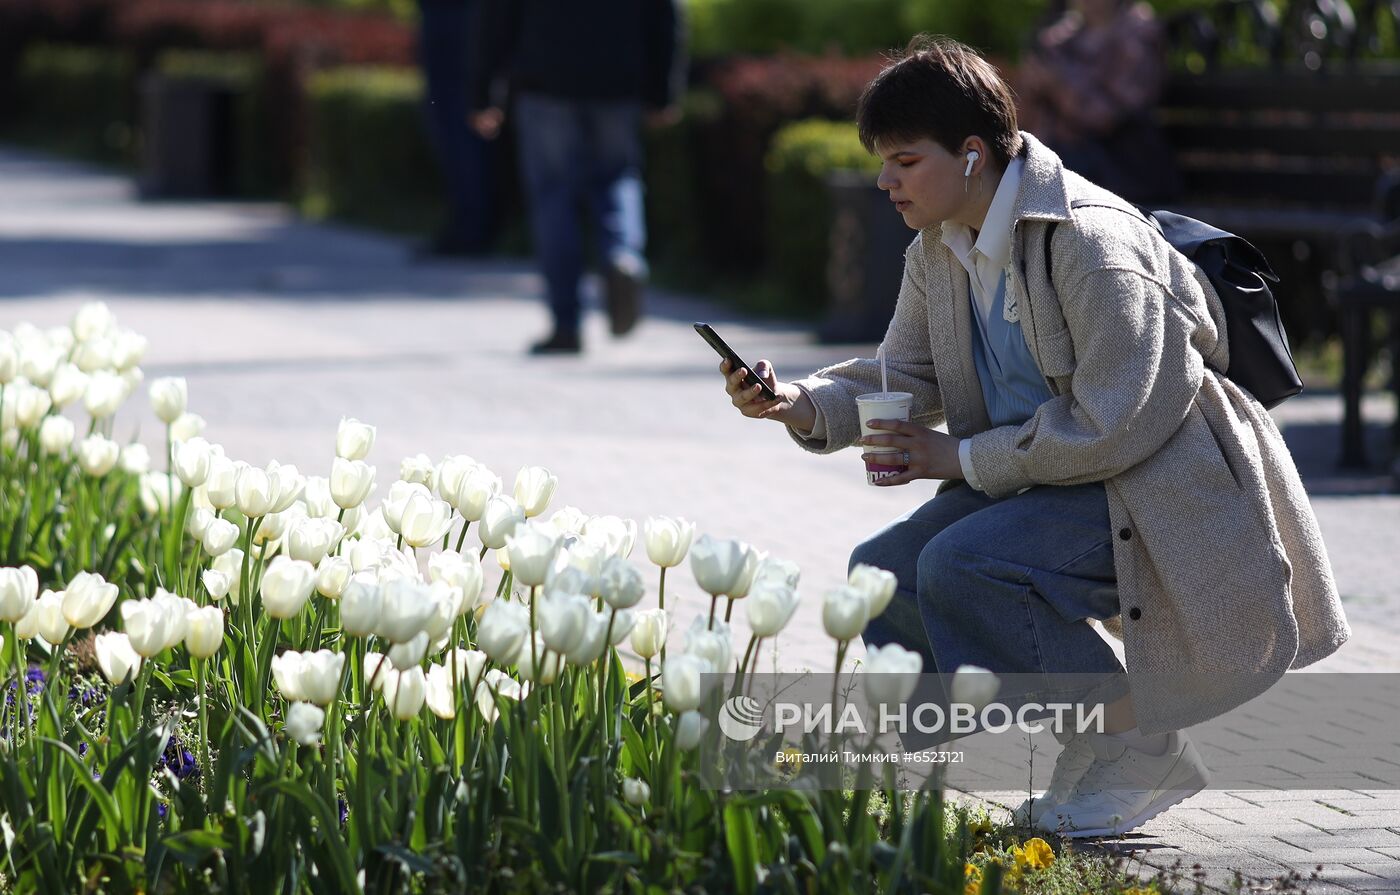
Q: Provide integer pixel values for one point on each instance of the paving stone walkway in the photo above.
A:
(281, 327)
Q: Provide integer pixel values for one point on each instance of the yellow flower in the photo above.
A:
(980, 827)
(1139, 890)
(1036, 853)
(973, 876)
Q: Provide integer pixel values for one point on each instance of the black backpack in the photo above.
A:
(1260, 361)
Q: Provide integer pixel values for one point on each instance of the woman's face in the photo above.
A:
(924, 180)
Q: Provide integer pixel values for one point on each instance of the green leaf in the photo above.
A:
(742, 839)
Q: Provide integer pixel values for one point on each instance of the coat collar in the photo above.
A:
(1043, 193)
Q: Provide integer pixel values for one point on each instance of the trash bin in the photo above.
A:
(865, 260)
(190, 142)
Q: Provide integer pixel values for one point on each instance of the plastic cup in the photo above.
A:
(883, 406)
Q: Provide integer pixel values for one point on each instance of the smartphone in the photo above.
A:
(735, 362)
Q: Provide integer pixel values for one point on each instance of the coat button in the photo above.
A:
(1135, 613)
(1125, 534)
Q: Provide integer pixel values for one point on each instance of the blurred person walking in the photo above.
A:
(582, 77)
(444, 45)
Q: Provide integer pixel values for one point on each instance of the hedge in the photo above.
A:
(799, 159)
(74, 101)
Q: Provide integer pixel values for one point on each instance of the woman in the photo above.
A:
(1097, 463)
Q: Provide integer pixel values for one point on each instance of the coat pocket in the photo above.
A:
(1056, 353)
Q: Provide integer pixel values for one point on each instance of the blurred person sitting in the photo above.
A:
(444, 44)
(582, 75)
(1087, 88)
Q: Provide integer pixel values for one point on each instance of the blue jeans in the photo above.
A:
(574, 151)
(443, 43)
(1003, 584)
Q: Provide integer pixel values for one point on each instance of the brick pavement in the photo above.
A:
(281, 327)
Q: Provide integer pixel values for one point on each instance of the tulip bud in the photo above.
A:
(668, 540)
(593, 640)
(221, 482)
(105, 393)
(447, 477)
(204, 631)
(169, 396)
(153, 626)
(9, 360)
(416, 470)
(770, 606)
(844, 613)
(31, 404)
(537, 663)
(635, 792)
(717, 564)
(713, 644)
(68, 384)
(439, 692)
(87, 600)
(776, 571)
(562, 618)
(304, 722)
(309, 677)
(502, 628)
(621, 583)
(118, 661)
(219, 537)
(93, 319)
(744, 580)
(254, 492)
(353, 439)
(216, 583)
(616, 536)
(128, 348)
(569, 521)
(424, 520)
(332, 574)
(649, 632)
(404, 693)
(313, 539)
(877, 585)
(891, 674)
(56, 435)
(534, 488)
(351, 482)
(135, 458)
(476, 488)
(316, 496)
(461, 572)
(286, 586)
(192, 461)
(19, 589)
(97, 455)
(186, 427)
(287, 484)
(410, 653)
(157, 490)
(499, 521)
(974, 686)
(44, 619)
(361, 606)
(532, 548)
(683, 685)
(690, 729)
(230, 564)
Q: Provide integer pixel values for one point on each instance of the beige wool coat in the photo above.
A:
(1223, 579)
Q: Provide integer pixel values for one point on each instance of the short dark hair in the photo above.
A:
(944, 90)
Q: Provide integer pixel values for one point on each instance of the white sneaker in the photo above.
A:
(1074, 759)
(1124, 788)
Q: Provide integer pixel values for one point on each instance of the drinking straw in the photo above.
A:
(884, 374)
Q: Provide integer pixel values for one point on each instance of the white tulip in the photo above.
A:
(770, 606)
(440, 695)
(616, 536)
(97, 455)
(221, 482)
(192, 460)
(404, 656)
(93, 319)
(400, 493)
(974, 686)
(537, 663)
(499, 521)
(713, 644)
(424, 520)
(622, 622)
(562, 618)
(844, 613)
(353, 439)
(878, 586)
(891, 674)
(417, 470)
(316, 497)
(219, 537)
(313, 539)
(204, 631)
(502, 628)
(128, 348)
(683, 684)
(593, 641)
(361, 606)
(19, 589)
(668, 540)
(56, 435)
(230, 563)
(157, 490)
(286, 586)
(309, 677)
(9, 359)
(93, 355)
(407, 608)
(752, 560)
(169, 397)
(351, 482)
(578, 569)
(534, 488)
(635, 792)
(44, 619)
(461, 572)
(39, 362)
(332, 575)
(87, 600)
(405, 693)
(118, 661)
(620, 583)
(476, 488)
(776, 571)
(304, 722)
(68, 384)
(135, 458)
(649, 632)
(448, 475)
(31, 405)
(717, 564)
(153, 625)
(105, 393)
(217, 583)
(569, 521)
(690, 729)
(186, 427)
(532, 548)
(377, 670)
(254, 493)
(288, 484)
(130, 380)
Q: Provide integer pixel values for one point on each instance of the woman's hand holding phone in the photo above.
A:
(792, 407)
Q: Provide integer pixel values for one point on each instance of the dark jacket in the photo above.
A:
(579, 49)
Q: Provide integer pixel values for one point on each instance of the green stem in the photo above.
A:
(662, 598)
(714, 600)
(466, 524)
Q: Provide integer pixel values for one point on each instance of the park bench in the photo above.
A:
(1284, 134)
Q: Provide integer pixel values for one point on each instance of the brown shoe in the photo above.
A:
(622, 290)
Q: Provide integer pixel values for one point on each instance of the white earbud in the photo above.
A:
(972, 156)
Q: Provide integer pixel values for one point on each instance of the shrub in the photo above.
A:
(75, 101)
(369, 160)
(799, 223)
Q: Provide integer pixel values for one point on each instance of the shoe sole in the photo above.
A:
(1178, 794)
(623, 295)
